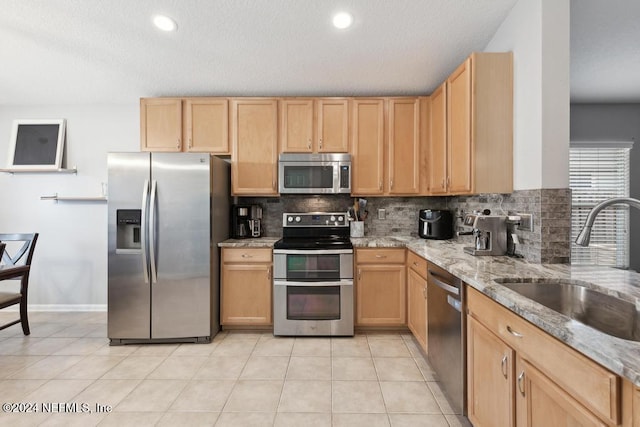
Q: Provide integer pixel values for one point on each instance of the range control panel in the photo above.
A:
(315, 219)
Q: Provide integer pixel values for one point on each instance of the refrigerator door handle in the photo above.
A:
(152, 231)
(143, 230)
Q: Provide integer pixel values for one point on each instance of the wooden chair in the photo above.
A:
(21, 257)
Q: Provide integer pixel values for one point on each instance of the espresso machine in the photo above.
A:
(246, 221)
(489, 232)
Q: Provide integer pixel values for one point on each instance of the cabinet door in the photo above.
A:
(207, 125)
(333, 125)
(161, 124)
(404, 146)
(367, 159)
(438, 163)
(380, 295)
(245, 294)
(417, 306)
(490, 379)
(254, 158)
(541, 403)
(459, 130)
(296, 125)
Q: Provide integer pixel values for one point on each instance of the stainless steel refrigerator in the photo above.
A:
(167, 212)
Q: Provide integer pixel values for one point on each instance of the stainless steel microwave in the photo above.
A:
(327, 173)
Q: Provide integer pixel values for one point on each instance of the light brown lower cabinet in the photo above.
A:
(417, 297)
(246, 287)
(380, 287)
(541, 402)
(519, 375)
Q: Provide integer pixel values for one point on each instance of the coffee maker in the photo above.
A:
(246, 221)
(490, 234)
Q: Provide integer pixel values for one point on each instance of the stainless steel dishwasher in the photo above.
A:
(446, 334)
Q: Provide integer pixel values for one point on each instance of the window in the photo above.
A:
(599, 171)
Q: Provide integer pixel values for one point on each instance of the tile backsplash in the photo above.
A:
(549, 242)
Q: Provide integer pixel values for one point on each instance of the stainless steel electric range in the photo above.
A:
(313, 276)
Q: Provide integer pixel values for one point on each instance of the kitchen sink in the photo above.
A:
(606, 313)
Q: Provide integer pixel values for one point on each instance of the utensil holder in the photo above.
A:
(356, 228)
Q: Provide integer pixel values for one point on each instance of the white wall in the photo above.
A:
(537, 32)
(70, 261)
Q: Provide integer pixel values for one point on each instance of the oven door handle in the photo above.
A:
(313, 284)
(312, 251)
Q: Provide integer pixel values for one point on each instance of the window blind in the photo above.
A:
(599, 171)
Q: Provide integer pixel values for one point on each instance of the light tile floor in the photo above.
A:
(241, 379)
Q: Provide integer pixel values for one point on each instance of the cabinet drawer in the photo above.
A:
(589, 383)
(246, 255)
(417, 264)
(381, 256)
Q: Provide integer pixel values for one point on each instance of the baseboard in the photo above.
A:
(61, 307)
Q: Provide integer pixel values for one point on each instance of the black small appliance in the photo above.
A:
(435, 224)
(240, 216)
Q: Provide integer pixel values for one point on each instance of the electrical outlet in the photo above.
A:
(382, 214)
(526, 222)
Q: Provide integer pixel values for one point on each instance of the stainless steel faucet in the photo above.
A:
(585, 234)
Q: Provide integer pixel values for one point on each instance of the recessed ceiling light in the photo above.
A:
(165, 23)
(342, 20)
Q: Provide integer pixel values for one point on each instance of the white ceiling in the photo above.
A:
(98, 51)
(605, 51)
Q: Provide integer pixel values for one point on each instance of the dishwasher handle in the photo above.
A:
(455, 303)
(438, 282)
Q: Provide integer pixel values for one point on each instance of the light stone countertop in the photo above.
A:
(620, 356)
(258, 242)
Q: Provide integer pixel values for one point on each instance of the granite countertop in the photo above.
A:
(619, 356)
(258, 242)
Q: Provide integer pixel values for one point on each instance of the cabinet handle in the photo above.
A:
(273, 183)
(269, 273)
(321, 143)
(424, 292)
(178, 143)
(359, 274)
(514, 333)
(391, 183)
(415, 263)
(521, 383)
(380, 185)
(442, 185)
(503, 366)
(380, 256)
(247, 256)
(309, 144)
(448, 181)
(190, 143)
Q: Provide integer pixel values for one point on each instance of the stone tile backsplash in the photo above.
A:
(549, 242)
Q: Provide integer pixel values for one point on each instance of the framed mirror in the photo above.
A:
(36, 144)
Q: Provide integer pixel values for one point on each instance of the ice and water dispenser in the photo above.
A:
(128, 226)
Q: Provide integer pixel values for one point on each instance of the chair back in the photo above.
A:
(24, 254)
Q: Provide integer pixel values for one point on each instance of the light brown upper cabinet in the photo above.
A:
(161, 124)
(314, 125)
(476, 103)
(184, 124)
(207, 125)
(437, 151)
(254, 156)
(404, 145)
(367, 150)
(388, 145)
